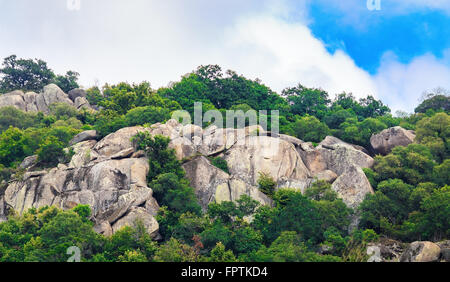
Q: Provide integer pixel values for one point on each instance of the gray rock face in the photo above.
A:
(111, 177)
(32, 102)
(388, 139)
(29, 162)
(273, 156)
(116, 189)
(214, 185)
(339, 163)
(421, 252)
(84, 136)
(15, 99)
(76, 93)
(352, 186)
(81, 102)
(385, 250)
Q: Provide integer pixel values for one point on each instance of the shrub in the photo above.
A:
(220, 163)
(266, 184)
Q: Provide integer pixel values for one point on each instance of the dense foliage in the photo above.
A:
(411, 200)
(32, 75)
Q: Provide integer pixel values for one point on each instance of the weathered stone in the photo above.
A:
(205, 178)
(239, 187)
(29, 162)
(135, 215)
(385, 250)
(111, 187)
(217, 140)
(126, 153)
(352, 186)
(30, 101)
(83, 153)
(84, 136)
(13, 99)
(118, 141)
(264, 154)
(297, 185)
(340, 157)
(76, 93)
(184, 148)
(386, 140)
(104, 228)
(50, 95)
(82, 102)
(326, 175)
(421, 252)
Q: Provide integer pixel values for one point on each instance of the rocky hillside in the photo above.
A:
(110, 176)
(33, 102)
(346, 197)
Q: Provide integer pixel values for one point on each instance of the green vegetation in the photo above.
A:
(220, 163)
(32, 75)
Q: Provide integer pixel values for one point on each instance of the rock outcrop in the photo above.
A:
(385, 250)
(33, 102)
(386, 140)
(110, 176)
(421, 252)
(335, 159)
(214, 185)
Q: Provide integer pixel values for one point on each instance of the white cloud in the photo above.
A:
(283, 54)
(401, 85)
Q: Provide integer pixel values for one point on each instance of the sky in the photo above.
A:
(394, 51)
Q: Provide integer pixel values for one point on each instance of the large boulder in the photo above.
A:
(206, 179)
(265, 154)
(217, 140)
(14, 99)
(339, 157)
(84, 136)
(76, 93)
(118, 141)
(211, 184)
(111, 177)
(352, 186)
(136, 215)
(82, 103)
(83, 154)
(421, 252)
(29, 162)
(388, 139)
(51, 94)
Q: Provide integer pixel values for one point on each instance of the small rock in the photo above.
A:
(75, 93)
(29, 162)
(123, 154)
(445, 254)
(84, 136)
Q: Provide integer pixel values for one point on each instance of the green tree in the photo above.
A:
(307, 101)
(174, 251)
(220, 254)
(309, 128)
(24, 74)
(266, 184)
(68, 81)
